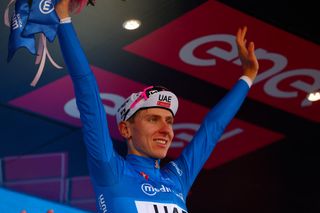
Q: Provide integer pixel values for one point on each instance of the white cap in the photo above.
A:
(150, 97)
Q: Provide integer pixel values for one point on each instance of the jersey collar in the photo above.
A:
(145, 162)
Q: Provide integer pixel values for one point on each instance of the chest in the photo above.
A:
(146, 186)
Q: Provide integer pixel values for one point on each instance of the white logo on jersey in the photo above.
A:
(179, 171)
(46, 6)
(16, 21)
(148, 189)
(153, 207)
(102, 204)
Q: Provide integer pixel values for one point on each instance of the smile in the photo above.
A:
(160, 141)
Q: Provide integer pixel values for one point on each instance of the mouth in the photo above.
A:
(161, 141)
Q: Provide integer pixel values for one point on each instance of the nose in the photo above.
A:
(166, 127)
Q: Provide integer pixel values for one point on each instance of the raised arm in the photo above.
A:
(200, 148)
(72, 52)
(101, 155)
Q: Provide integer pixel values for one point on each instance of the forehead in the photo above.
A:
(155, 111)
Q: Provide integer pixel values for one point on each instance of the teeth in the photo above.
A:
(161, 141)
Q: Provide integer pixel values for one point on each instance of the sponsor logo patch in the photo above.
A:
(46, 6)
(155, 207)
(150, 190)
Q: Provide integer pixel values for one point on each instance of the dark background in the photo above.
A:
(282, 177)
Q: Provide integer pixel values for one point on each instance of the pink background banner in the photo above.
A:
(201, 45)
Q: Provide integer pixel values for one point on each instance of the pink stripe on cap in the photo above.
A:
(148, 98)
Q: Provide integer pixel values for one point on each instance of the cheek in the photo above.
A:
(172, 133)
(142, 134)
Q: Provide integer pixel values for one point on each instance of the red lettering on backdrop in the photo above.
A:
(56, 100)
(206, 49)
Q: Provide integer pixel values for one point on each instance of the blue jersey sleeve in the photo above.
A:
(194, 156)
(102, 159)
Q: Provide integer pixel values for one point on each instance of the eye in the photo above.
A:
(152, 119)
(170, 121)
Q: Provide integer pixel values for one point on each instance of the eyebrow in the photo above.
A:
(159, 116)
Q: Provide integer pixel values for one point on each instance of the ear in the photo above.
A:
(124, 129)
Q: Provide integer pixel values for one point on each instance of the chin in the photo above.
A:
(161, 156)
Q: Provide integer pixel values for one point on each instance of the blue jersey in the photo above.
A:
(135, 184)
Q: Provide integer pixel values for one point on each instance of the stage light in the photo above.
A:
(131, 24)
(314, 96)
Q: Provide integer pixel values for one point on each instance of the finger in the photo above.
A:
(252, 56)
(251, 49)
(244, 32)
(240, 36)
